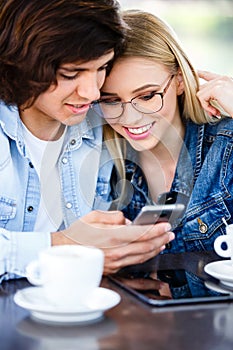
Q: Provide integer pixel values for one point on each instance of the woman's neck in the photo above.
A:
(159, 164)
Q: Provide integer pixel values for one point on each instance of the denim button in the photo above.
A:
(68, 205)
(202, 226)
(30, 208)
(64, 160)
(73, 142)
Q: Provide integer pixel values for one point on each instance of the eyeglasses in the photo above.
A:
(148, 103)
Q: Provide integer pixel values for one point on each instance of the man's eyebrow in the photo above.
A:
(81, 69)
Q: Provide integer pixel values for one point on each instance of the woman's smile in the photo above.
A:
(138, 133)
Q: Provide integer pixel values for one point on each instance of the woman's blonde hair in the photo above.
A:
(151, 38)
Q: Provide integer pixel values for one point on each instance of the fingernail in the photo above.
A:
(171, 236)
(168, 227)
(127, 221)
(162, 248)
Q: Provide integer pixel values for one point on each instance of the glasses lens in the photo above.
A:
(150, 103)
(96, 108)
(111, 110)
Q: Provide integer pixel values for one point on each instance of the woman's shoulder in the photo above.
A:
(223, 126)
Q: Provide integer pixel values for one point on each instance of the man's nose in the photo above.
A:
(89, 89)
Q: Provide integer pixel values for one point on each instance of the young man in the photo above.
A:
(54, 169)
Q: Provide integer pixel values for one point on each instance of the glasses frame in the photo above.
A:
(122, 104)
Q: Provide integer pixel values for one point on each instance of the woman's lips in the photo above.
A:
(138, 133)
(78, 109)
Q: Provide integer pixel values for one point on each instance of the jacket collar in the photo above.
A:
(88, 129)
(189, 162)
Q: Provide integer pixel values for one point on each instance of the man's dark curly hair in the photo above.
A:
(38, 36)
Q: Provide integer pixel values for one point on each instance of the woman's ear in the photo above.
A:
(179, 83)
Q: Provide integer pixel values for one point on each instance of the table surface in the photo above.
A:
(132, 324)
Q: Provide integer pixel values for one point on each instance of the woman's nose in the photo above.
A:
(129, 115)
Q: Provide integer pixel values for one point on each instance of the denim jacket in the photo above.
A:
(84, 172)
(203, 181)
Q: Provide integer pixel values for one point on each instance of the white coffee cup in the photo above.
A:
(68, 274)
(223, 245)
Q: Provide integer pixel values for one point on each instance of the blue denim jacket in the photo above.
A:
(203, 181)
(84, 170)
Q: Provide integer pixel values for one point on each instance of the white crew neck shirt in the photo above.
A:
(44, 156)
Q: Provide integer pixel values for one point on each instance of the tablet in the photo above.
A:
(167, 287)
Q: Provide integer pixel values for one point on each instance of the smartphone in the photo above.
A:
(150, 214)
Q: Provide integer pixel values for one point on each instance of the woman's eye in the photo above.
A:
(148, 96)
(109, 101)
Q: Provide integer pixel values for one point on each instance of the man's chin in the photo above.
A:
(75, 119)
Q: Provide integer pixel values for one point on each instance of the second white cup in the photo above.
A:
(223, 245)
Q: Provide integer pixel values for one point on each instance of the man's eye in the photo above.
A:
(105, 67)
(148, 96)
(68, 77)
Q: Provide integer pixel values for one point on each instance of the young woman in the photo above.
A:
(54, 56)
(184, 154)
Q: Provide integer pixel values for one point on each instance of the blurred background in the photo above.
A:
(204, 27)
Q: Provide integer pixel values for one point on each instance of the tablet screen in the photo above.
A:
(159, 286)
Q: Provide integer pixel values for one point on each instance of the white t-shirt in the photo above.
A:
(44, 156)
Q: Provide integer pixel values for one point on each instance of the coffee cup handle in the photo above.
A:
(217, 247)
(33, 273)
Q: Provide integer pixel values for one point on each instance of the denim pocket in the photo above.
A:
(7, 210)
(204, 224)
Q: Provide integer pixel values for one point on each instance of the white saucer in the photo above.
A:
(222, 270)
(33, 299)
(216, 288)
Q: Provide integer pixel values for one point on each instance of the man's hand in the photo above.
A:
(123, 244)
